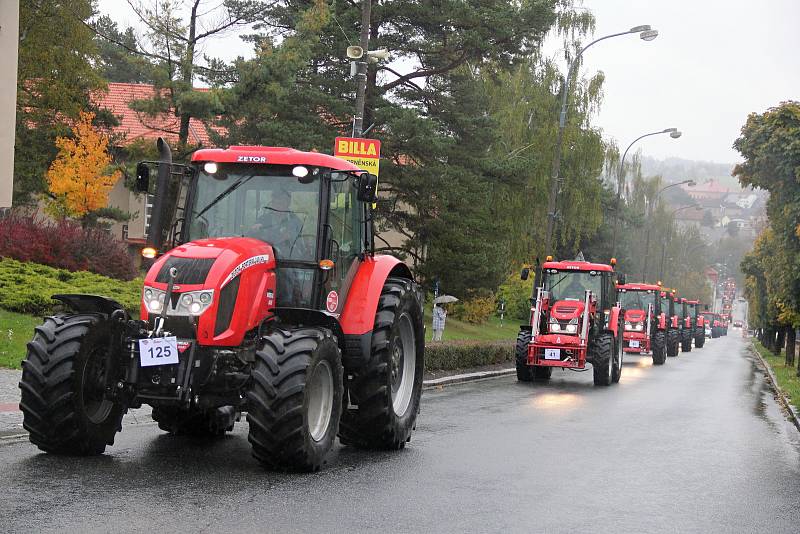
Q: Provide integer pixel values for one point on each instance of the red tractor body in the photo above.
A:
(641, 310)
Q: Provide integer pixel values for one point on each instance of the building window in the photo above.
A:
(124, 232)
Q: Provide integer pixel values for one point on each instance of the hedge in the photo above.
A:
(465, 354)
(27, 287)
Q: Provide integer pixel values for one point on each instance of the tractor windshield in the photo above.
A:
(665, 304)
(570, 285)
(262, 201)
(636, 300)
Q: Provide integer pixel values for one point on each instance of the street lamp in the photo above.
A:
(649, 216)
(674, 134)
(646, 33)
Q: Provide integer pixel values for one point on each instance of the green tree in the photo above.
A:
(123, 62)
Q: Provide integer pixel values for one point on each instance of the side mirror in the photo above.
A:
(142, 178)
(524, 274)
(367, 187)
(621, 280)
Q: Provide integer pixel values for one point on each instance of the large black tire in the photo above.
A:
(673, 342)
(62, 402)
(601, 352)
(524, 372)
(385, 394)
(714, 332)
(619, 353)
(295, 399)
(686, 341)
(192, 422)
(700, 339)
(542, 373)
(659, 347)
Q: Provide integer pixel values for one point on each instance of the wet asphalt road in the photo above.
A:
(698, 445)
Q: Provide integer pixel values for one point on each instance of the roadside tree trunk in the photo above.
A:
(780, 340)
(790, 345)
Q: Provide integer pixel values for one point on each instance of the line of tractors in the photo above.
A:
(265, 297)
(584, 312)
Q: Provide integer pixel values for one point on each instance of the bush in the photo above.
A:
(27, 287)
(64, 245)
(466, 354)
(517, 294)
(475, 309)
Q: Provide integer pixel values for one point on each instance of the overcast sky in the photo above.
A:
(714, 62)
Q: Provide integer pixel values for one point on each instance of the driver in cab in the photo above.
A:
(278, 225)
(575, 290)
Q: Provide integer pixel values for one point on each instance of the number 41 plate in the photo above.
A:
(552, 354)
(158, 351)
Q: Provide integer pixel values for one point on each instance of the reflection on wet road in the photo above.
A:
(696, 445)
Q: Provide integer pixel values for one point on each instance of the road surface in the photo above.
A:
(698, 445)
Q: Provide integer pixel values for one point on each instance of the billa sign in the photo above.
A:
(363, 153)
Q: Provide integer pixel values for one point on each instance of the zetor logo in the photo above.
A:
(252, 159)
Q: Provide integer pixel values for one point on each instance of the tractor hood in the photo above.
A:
(564, 310)
(635, 316)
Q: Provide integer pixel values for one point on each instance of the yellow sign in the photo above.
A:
(363, 153)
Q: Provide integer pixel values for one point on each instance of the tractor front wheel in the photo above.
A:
(659, 348)
(524, 371)
(385, 394)
(64, 405)
(673, 341)
(686, 342)
(619, 354)
(700, 340)
(295, 399)
(601, 350)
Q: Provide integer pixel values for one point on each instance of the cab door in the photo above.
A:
(346, 243)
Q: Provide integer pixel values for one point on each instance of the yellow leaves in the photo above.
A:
(77, 178)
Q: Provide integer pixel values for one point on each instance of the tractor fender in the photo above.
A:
(613, 321)
(90, 303)
(673, 322)
(662, 321)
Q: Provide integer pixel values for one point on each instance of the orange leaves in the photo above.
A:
(77, 178)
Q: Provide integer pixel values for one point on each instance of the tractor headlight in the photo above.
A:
(153, 299)
(572, 326)
(555, 326)
(638, 327)
(194, 302)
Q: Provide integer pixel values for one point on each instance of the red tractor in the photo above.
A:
(724, 319)
(641, 333)
(685, 324)
(668, 321)
(698, 321)
(575, 320)
(266, 299)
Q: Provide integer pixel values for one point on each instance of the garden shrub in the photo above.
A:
(27, 287)
(465, 354)
(517, 294)
(475, 309)
(64, 244)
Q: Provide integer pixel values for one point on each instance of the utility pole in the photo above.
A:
(361, 75)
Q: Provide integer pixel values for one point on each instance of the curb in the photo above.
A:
(779, 392)
(466, 377)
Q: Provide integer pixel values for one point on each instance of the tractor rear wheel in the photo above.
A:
(601, 351)
(295, 399)
(673, 340)
(524, 371)
(386, 392)
(659, 348)
(686, 342)
(195, 422)
(63, 402)
(700, 340)
(619, 354)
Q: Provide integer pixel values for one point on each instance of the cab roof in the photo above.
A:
(577, 266)
(271, 155)
(639, 287)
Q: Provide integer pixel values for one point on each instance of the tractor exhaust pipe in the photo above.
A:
(155, 234)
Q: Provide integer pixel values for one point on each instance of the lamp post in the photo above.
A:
(646, 34)
(649, 222)
(674, 134)
(664, 243)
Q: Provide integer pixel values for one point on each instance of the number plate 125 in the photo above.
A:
(158, 351)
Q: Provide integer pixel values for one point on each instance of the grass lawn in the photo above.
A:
(16, 330)
(459, 330)
(787, 377)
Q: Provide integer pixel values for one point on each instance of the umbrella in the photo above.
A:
(445, 299)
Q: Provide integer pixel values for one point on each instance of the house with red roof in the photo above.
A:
(709, 190)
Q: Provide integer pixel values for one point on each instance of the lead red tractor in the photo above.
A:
(268, 299)
(641, 333)
(575, 320)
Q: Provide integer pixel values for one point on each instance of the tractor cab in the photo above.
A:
(575, 319)
(685, 324)
(699, 332)
(642, 305)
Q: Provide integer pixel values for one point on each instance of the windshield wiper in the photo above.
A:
(225, 193)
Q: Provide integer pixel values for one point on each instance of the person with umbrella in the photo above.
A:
(440, 315)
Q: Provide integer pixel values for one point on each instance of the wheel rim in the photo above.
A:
(320, 401)
(95, 405)
(403, 365)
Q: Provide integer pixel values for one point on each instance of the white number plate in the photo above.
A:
(158, 351)
(633, 344)
(552, 354)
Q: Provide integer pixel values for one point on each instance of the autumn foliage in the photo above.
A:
(77, 178)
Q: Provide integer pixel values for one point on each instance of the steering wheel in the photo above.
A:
(304, 244)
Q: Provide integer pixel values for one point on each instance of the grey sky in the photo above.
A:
(714, 62)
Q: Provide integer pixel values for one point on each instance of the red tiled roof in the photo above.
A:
(711, 186)
(137, 125)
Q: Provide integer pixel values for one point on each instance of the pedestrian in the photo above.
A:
(439, 318)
